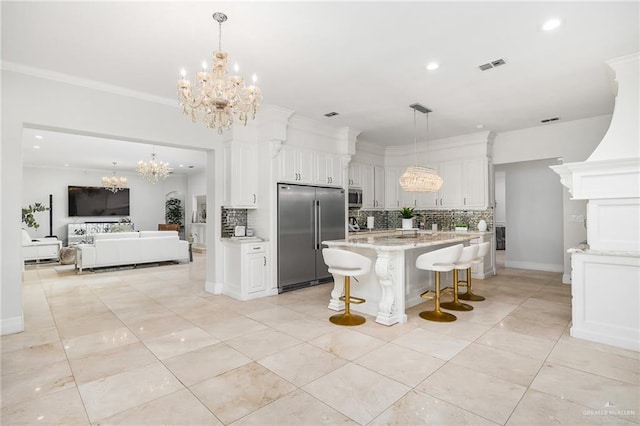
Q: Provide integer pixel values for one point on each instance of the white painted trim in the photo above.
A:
(11, 325)
(213, 288)
(534, 266)
(607, 337)
(84, 82)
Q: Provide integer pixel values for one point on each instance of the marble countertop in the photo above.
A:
(397, 241)
(243, 240)
(378, 232)
(617, 253)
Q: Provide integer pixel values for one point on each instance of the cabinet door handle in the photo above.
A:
(265, 261)
(397, 203)
(254, 198)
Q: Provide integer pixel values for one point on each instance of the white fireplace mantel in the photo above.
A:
(605, 277)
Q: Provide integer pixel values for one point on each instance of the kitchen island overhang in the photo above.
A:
(394, 283)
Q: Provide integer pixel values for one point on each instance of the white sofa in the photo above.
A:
(40, 248)
(131, 248)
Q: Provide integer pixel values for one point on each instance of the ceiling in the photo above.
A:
(364, 60)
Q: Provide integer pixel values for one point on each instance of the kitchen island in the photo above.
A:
(394, 283)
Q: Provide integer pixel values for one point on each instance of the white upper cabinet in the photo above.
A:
(296, 165)
(355, 175)
(393, 193)
(329, 170)
(465, 185)
(451, 192)
(241, 175)
(373, 187)
(476, 182)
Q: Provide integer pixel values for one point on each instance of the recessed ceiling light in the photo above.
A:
(433, 66)
(66, 165)
(181, 165)
(38, 136)
(36, 147)
(480, 126)
(551, 24)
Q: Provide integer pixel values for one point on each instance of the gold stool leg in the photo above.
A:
(437, 314)
(469, 295)
(347, 318)
(455, 304)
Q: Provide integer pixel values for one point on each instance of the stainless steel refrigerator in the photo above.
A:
(307, 215)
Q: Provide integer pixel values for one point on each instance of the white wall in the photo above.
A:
(500, 212)
(572, 141)
(534, 237)
(147, 200)
(53, 102)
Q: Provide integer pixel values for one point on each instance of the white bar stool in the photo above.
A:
(483, 249)
(347, 264)
(469, 253)
(442, 260)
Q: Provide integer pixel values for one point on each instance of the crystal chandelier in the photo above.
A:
(216, 98)
(114, 183)
(153, 171)
(417, 178)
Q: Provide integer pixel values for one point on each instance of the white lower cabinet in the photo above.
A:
(245, 269)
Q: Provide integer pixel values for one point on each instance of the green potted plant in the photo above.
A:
(461, 227)
(174, 212)
(27, 214)
(407, 215)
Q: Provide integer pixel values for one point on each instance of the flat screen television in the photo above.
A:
(97, 201)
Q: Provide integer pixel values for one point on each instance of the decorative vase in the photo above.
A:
(482, 225)
(407, 223)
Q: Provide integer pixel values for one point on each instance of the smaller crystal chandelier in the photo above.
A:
(417, 178)
(217, 98)
(153, 171)
(114, 183)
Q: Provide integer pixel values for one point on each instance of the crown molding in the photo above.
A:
(84, 82)
(485, 138)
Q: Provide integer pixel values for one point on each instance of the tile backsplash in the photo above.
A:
(231, 218)
(445, 219)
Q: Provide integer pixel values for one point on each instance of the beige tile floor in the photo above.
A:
(149, 346)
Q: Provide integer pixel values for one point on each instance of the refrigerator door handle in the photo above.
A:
(315, 224)
(319, 211)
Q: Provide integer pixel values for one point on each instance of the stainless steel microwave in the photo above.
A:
(355, 197)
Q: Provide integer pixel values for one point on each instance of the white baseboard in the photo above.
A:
(213, 288)
(613, 336)
(566, 278)
(11, 325)
(534, 266)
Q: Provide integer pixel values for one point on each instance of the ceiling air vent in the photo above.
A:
(331, 114)
(548, 120)
(492, 64)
